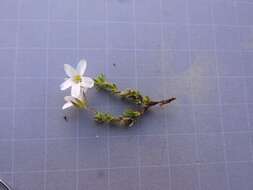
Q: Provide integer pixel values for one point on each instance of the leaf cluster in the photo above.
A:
(102, 117)
(131, 95)
(102, 84)
(127, 119)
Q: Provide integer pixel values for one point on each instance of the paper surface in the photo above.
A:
(197, 50)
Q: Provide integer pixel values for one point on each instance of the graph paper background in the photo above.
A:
(200, 51)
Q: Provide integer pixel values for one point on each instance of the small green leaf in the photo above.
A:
(101, 117)
(131, 113)
(146, 100)
(101, 83)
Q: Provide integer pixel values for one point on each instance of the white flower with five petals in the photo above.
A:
(76, 80)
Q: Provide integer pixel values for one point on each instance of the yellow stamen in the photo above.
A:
(77, 78)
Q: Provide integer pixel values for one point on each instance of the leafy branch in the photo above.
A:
(129, 117)
(133, 96)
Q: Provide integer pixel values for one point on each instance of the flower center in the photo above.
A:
(77, 79)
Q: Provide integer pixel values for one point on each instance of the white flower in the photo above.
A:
(76, 79)
(73, 101)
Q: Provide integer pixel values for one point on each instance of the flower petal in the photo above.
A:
(66, 84)
(82, 93)
(75, 90)
(84, 90)
(70, 71)
(81, 67)
(69, 98)
(67, 105)
(87, 82)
